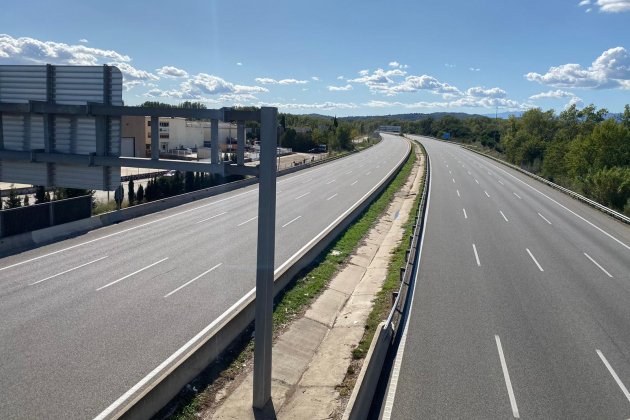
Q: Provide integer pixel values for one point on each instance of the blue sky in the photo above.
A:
(340, 57)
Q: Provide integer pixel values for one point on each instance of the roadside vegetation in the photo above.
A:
(294, 301)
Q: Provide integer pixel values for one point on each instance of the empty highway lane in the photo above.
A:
(521, 303)
(83, 320)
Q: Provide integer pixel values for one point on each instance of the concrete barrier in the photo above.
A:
(160, 386)
(360, 400)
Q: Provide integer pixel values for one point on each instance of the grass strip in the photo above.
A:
(303, 291)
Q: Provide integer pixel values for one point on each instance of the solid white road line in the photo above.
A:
(534, 258)
(506, 377)
(330, 182)
(476, 255)
(302, 196)
(600, 267)
(395, 375)
(354, 182)
(190, 281)
(465, 215)
(132, 274)
(506, 219)
(614, 374)
(221, 318)
(67, 271)
(564, 207)
(247, 221)
(476, 181)
(291, 221)
(211, 217)
(544, 218)
(517, 196)
(332, 196)
(487, 195)
(458, 193)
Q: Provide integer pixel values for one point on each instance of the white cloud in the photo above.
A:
(465, 102)
(610, 70)
(416, 84)
(340, 77)
(613, 6)
(553, 94)
(584, 3)
(131, 73)
(239, 64)
(394, 64)
(340, 88)
(325, 106)
(270, 81)
(480, 92)
(315, 78)
(380, 80)
(574, 101)
(450, 66)
(170, 71)
(27, 50)
(474, 69)
(83, 41)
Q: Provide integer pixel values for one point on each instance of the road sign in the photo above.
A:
(60, 134)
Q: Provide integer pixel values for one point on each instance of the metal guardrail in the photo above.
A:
(388, 332)
(612, 213)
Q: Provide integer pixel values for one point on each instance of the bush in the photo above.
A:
(609, 186)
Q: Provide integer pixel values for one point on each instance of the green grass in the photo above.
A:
(309, 284)
(383, 301)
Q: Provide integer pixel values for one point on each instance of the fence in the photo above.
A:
(39, 216)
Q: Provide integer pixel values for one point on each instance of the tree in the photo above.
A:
(13, 200)
(625, 118)
(140, 195)
(131, 192)
(27, 200)
(40, 195)
(189, 181)
(344, 139)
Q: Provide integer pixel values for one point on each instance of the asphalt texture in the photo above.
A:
(521, 307)
(83, 320)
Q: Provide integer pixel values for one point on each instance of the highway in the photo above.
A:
(83, 320)
(521, 305)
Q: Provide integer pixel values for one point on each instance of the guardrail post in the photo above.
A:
(265, 257)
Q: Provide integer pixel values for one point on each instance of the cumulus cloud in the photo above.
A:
(325, 106)
(340, 88)
(552, 94)
(340, 77)
(474, 69)
(380, 80)
(315, 78)
(610, 70)
(170, 71)
(479, 92)
(574, 101)
(27, 50)
(607, 6)
(270, 81)
(465, 102)
(83, 41)
(200, 85)
(419, 83)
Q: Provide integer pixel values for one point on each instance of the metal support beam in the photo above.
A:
(214, 141)
(265, 257)
(155, 138)
(240, 143)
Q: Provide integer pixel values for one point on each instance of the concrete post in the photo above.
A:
(155, 138)
(265, 257)
(240, 143)
(214, 141)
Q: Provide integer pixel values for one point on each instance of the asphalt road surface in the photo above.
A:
(83, 320)
(521, 307)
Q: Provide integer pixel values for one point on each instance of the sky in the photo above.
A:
(339, 57)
